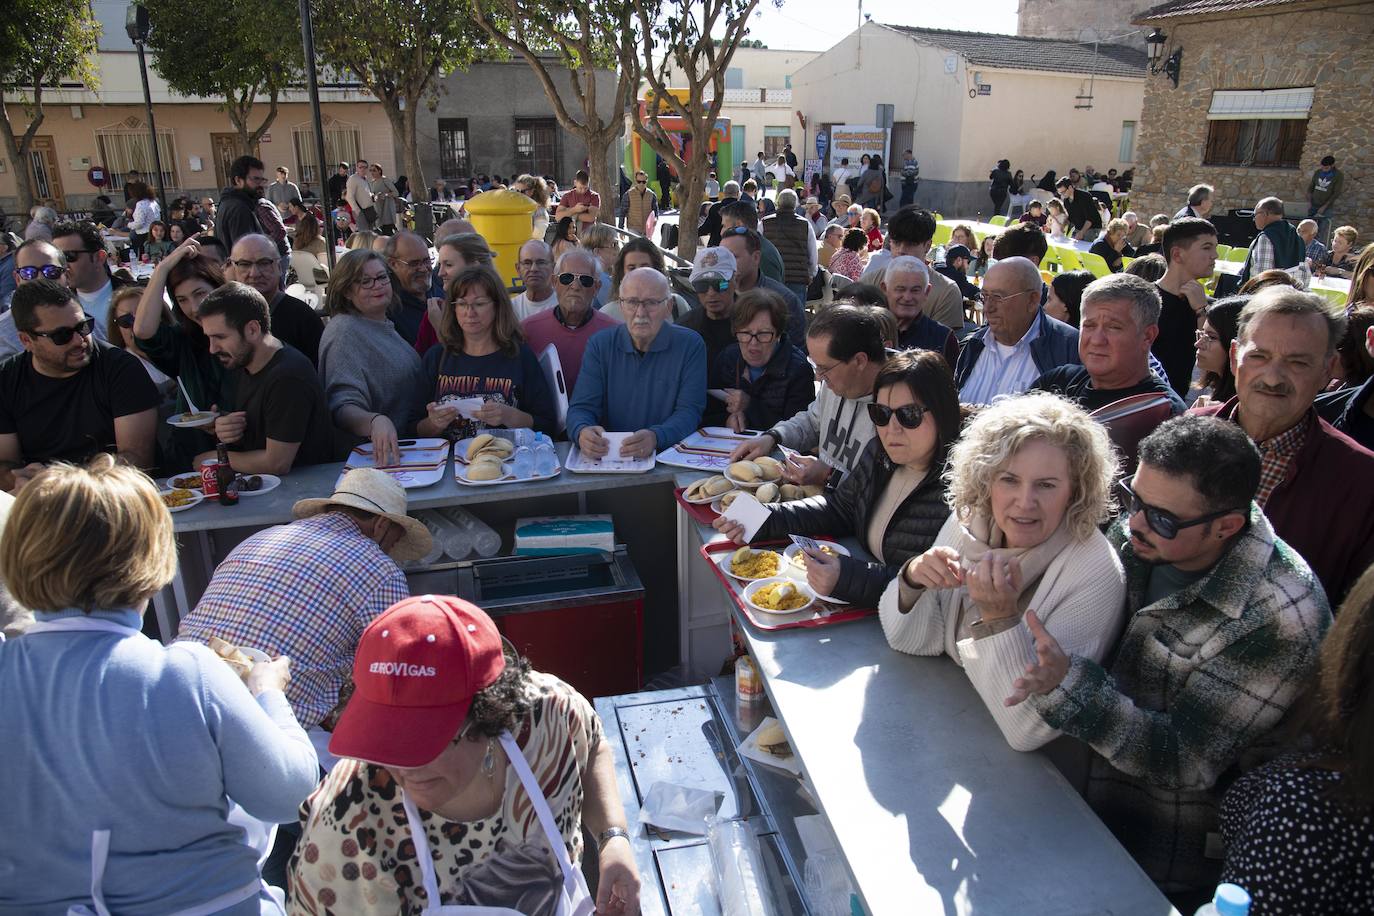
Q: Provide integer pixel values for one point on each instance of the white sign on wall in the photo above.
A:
(852, 141)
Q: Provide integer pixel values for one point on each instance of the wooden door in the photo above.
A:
(224, 148)
(44, 175)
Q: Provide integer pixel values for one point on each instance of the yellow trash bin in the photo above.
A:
(505, 219)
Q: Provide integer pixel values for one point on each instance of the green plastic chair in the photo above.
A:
(1051, 259)
(943, 234)
(1223, 251)
(1334, 296)
(998, 220)
(1095, 263)
(938, 216)
(1068, 257)
(1238, 254)
(1126, 262)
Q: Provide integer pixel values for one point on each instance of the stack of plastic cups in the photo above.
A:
(436, 550)
(452, 539)
(485, 541)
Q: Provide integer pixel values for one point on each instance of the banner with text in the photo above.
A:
(851, 142)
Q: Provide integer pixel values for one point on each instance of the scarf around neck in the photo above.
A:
(979, 535)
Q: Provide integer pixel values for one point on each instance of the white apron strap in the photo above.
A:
(422, 853)
(100, 852)
(576, 898)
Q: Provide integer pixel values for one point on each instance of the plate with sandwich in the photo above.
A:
(485, 461)
(240, 658)
(768, 744)
(755, 473)
(707, 490)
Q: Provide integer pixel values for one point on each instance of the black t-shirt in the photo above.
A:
(285, 401)
(295, 323)
(516, 380)
(1074, 383)
(1175, 346)
(71, 419)
(716, 332)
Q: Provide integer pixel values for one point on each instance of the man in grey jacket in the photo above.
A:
(845, 344)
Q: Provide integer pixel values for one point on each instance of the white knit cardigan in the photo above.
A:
(1081, 600)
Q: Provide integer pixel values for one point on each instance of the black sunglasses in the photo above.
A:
(1162, 522)
(909, 415)
(49, 271)
(705, 286)
(63, 336)
(586, 280)
(73, 255)
(126, 321)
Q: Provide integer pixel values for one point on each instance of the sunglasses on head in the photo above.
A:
(1161, 521)
(63, 336)
(49, 271)
(909, 415)
(706, 286)
(586, 280)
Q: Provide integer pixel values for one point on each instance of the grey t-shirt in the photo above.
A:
(367, 364)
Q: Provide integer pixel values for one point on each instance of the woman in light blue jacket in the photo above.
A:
(135, 770)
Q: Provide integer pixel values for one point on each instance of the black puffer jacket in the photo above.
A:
(846, 511)
(787, 386)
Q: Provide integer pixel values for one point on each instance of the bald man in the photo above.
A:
(1020, 342)
(254, 261)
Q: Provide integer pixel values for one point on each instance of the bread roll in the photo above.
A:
(768, 493)
(717, 485)
(728, 498)
(478, 443)
(485, 468)
(790, 491)
(746, 471)
(769, 468)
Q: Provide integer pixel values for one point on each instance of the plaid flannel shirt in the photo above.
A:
(1277, 453)
(306, 590)
(1198, 678)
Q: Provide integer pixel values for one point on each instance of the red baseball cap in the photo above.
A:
(415, 673)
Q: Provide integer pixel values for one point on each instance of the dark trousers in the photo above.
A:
(999, 202)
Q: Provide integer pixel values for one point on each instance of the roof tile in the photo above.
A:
(1177, 9)
(1020, 52)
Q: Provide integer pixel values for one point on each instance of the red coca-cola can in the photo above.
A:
(209, 481)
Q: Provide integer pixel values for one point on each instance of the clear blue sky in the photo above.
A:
(816, 25)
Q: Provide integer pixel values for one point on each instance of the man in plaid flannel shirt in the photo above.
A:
(1224, 624)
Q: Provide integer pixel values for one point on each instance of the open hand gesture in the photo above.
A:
(1049, 670)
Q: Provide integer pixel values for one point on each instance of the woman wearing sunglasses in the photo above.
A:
(123, 311)
(482, 354)
(894, 499)
(766, 378)
(1029, 483)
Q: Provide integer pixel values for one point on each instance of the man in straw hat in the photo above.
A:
(307, 590)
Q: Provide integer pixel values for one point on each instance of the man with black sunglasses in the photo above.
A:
(69, 395)
(36, 259)
(88, 270)
(572, 321)
(713, 281)
(1225, 620)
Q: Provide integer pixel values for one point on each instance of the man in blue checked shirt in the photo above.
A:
(307, 590)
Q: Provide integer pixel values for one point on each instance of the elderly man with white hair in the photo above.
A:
(906, 283)
(1137, 233)
(645, 377)
(1019, 344)
(792, 234)
(1120, 321)
(254, 261)
(572, 322)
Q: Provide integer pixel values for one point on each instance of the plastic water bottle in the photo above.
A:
(523, 462)
(522, 436)
(1229, 900)
(545, 457)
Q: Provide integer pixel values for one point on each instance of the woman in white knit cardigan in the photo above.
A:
(1030, 481)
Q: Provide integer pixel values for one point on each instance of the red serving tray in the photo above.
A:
(735, 590)
(703, 512)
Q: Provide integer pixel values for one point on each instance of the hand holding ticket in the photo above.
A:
(749, 513)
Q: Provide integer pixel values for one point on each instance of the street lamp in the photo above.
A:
(139, 28)
(1154, 44)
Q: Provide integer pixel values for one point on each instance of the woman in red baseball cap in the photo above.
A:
(469, 780)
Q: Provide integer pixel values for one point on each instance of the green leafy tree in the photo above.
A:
(235, 51)
(565, 44)
(689, 41)
(41, 43)
(399, 50)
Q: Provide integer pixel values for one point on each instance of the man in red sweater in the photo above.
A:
(573, 321)
(1316, 483)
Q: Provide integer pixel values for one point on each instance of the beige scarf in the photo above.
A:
(981, 534)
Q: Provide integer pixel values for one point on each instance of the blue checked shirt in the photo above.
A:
(306, 590)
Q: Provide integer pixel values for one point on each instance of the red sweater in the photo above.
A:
(1324, 507)
(544, 328)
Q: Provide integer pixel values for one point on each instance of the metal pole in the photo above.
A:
(308, 46)
(152, 127)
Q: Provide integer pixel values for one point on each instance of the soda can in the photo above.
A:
(209, 481)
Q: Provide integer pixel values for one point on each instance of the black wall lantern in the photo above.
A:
(1154, 43)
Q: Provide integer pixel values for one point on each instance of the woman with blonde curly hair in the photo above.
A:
(1029, 483)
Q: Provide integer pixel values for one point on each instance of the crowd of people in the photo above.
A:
(1138, 517)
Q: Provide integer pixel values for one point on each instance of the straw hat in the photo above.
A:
(370, 490)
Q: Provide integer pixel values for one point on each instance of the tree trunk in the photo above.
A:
(693, 183)
(17, 149)
(604, 178)
(403, 122)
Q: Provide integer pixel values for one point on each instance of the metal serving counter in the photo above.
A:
(933, 812)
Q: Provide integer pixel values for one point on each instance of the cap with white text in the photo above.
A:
(416, 671)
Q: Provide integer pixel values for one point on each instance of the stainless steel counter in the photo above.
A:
(933, 811)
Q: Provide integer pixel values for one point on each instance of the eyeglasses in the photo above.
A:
(994, 300)
(413, 264)
(763, 337)
(471, 305)
(259, 264)
(63, 336)
(49, 271)
(641, 181)
(630, 306)
(373, 282)
(822, 373)
(126, 321)
(706, 286)
(539, 262)
(1200, 336)
(71, 256)
(1161, 521)
(909, 415)
(586, 280)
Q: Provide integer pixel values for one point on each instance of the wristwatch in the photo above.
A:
(607, 835)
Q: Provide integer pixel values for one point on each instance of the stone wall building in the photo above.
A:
(1266, 89)
(1081, 20)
